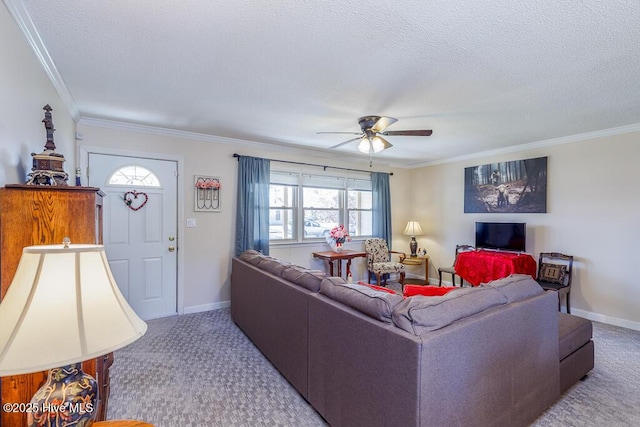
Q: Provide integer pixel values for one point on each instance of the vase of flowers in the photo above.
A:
(337, 237)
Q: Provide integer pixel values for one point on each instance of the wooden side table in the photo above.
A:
(331, 256)
(419, 260)
(122, 423)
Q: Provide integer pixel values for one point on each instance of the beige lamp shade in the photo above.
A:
(63, 307)
(413, 229)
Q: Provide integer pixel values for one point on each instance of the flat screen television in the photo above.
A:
(505, 236)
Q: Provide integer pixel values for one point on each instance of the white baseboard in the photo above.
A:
(206, 307)
(596, 317)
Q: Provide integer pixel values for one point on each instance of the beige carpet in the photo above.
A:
(200, 370)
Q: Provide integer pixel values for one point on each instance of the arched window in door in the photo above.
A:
(134, 176)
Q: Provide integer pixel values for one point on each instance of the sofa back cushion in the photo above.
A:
(273, 265)
(304, 277)
(516, 287)
(420, 314)
(269, 264)
(251, 256)
(372, 302)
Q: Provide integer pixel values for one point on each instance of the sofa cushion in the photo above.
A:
(372, 302)
(427, 291)
(273, 265)
(574, 332)
(516, 287)
(420, 314)
(304, 277)
(251, 256)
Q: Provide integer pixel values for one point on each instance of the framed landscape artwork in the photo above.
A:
(518, 186)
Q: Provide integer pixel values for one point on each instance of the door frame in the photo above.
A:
(83, 161)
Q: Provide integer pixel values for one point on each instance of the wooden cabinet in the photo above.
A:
(39, 215)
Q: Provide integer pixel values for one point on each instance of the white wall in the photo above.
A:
(25, 90)
(593, 203)
(593, 195)
(207, 250)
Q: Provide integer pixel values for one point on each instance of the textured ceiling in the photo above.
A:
(484, 75)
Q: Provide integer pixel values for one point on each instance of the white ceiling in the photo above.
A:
(484, 75)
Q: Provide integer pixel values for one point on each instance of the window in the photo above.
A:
(306, 207)
(134, 176)
(282, 212)
(321, 210)
(359, 208)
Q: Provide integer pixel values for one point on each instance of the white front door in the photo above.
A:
(140, 229)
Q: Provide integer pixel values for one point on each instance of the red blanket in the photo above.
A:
(484, 266)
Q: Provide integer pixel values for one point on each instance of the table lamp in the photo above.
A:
(413, 229)
(63, 307)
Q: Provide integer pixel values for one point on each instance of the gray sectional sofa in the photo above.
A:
(481, 356)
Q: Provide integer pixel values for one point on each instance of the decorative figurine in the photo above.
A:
(47, 166)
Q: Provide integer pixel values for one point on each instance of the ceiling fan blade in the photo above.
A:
(424, 132)
(346, 142)
(343, 133)
(385, 143)
(382, 123)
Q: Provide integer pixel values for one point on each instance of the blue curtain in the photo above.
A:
(381, 199)
(252, 217)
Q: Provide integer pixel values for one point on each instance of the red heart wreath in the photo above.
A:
(129, 201)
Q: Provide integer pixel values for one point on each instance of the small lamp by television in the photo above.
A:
(63, 307)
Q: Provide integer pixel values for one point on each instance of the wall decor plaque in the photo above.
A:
(207, 193)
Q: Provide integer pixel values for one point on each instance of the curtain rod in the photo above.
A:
(311, 164)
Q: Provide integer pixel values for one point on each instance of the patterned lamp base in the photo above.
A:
(413, 246)
(68, 398)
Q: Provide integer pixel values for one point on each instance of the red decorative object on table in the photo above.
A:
(478, 267)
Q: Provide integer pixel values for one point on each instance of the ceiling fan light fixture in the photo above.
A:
(373, 127)
(377, 144)
(364, 146)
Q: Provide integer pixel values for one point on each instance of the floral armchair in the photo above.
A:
(379, 260)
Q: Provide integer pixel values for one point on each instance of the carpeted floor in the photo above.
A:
(200, 370)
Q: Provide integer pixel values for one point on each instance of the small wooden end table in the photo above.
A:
(419, 260)
(331, 256)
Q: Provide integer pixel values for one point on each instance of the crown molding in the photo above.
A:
(132, 127)
(154, 130)
(23, 20)
(621, 130)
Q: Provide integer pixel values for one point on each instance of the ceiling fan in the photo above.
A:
(371, 140)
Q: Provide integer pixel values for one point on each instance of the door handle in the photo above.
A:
(172, 248)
